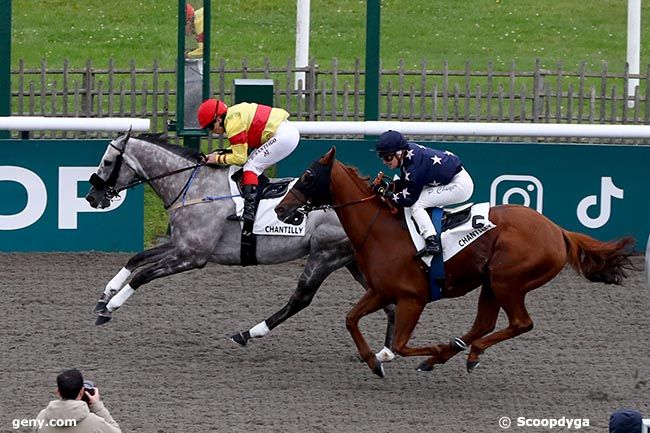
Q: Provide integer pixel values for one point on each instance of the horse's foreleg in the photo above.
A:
(486, 318)
(118, 281)
(370, 302)
(318, 267)
(148, 256)
(168, 265)
(385, 354)
(519, 323)
(408, 313)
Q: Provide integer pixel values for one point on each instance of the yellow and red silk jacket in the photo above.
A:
(249, 124)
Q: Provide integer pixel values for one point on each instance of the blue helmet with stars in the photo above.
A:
(390, 142)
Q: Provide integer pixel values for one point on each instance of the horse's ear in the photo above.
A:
(329, 156)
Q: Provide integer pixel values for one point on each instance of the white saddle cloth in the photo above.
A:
(453, 241)
(266, 221)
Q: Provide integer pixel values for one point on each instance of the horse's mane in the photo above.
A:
(357, 176)
(356, 171)
(162, 140)
(363, 182)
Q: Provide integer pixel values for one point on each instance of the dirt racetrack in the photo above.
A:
(164, 363)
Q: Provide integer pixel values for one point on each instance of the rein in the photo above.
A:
(160, 176)
(367, 235)
(361, 200)
(306, 208)
(109, 184)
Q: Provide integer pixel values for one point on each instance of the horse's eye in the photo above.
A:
(308, 178)
(108, 162)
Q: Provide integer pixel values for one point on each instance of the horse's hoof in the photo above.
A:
(424, 366)
(101, 306)
(458, 344)
(239, 339)
(379, 369)
(471, 365)
(103, 318)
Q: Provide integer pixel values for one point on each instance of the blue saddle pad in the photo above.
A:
(437, 268)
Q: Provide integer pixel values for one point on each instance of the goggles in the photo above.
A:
(387, 157)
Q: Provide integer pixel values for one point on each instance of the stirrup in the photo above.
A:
(424, 252)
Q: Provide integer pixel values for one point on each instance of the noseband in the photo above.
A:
(109, 184)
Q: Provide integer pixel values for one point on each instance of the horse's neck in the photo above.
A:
(150, 160)
(348, 188)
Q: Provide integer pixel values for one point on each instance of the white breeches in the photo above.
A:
(460, 189)
(284, 142)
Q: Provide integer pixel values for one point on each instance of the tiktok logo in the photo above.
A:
(607, 191)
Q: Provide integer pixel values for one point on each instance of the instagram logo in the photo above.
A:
(517, 189)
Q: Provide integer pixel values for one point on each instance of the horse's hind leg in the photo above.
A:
(385, 354)
(486, 318)
(318, 267)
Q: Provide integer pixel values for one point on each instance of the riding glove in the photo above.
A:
(383, 191)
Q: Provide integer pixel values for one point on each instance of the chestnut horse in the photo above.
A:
(524, 251)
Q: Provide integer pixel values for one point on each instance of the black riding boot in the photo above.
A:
(431, 247)
(250, 202)
(248, 241)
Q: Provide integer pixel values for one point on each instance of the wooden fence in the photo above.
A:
(334, 93)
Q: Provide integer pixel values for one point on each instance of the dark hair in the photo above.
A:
(69, 384)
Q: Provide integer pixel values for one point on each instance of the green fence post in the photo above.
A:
(373, 15)
(5, 62)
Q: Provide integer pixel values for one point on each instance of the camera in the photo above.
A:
(89, 387)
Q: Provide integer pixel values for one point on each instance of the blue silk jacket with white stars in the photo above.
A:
(424, 167)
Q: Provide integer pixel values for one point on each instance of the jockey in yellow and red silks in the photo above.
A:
(194, 26)
(264, 128)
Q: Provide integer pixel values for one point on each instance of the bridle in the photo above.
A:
(306, 207)
(109, 185)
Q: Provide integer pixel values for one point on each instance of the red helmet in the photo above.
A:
(209, 110)
(189, 11)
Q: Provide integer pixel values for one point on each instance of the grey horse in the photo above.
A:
(199, 200)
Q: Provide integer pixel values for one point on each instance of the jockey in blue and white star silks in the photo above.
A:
(429, 177)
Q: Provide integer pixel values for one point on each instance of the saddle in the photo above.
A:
(267, 187)
(456, 216)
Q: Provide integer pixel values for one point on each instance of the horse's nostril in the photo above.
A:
(90, 199)
(279, 210)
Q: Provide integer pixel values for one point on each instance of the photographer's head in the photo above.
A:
(625, 421)
(70, 384)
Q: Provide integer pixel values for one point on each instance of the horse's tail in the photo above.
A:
(602, 262)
